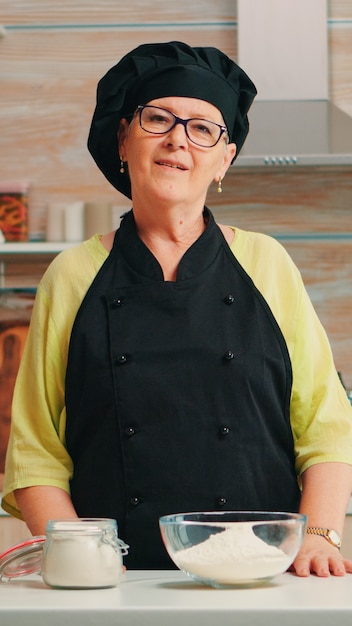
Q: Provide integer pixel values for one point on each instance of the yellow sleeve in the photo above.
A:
(36, 453)
(321, 415)
(321, 412)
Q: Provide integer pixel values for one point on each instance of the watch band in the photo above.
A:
(331, 535)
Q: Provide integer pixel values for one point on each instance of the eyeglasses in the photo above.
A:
(158, 121)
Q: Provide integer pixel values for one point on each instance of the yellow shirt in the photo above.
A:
(321, 416)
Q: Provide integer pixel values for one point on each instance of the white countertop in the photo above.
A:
(157, 598)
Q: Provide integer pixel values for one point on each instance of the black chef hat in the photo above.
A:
(158, 70)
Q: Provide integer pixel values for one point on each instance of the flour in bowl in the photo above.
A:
(234, 556)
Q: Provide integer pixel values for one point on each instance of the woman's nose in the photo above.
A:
(177, 134)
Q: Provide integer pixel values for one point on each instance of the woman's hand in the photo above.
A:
(318, 556)
(326, 492)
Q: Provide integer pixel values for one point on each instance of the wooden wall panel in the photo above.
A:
(48, 80)
(285, 201)
(326, 267)
(339, 9)
(141, 12)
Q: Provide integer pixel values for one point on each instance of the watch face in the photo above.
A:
(334, 537)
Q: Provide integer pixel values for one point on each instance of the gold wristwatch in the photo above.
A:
(332, 536)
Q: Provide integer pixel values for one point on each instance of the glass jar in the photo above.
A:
(82, 553)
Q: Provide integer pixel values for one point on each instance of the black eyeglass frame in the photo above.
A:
(183, 122)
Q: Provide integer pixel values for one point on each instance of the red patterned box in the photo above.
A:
(14, 211)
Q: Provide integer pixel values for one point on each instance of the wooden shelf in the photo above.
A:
(23, 264)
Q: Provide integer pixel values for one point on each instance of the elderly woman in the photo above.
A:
(177, 364)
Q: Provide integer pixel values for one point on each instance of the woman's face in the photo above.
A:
(170, 166)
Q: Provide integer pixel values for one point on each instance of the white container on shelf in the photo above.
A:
(74, 222)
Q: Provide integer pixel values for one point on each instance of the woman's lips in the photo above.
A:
(177, 166)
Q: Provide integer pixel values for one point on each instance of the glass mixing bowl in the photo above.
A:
(233, 548)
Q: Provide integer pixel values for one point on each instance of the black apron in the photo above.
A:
(177, 393)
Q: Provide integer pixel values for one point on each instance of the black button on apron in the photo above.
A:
(117, 302)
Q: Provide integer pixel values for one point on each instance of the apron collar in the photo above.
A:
(194, 261)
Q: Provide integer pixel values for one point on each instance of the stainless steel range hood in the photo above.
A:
(297, 132)
(284, 48)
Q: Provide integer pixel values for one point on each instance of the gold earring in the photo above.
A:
(219, 189)
(122, 169)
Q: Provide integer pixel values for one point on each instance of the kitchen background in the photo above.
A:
(51, 56)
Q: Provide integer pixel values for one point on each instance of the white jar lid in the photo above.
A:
(22, 559)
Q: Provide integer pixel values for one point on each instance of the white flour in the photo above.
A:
(235, 555)
(79, 561)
